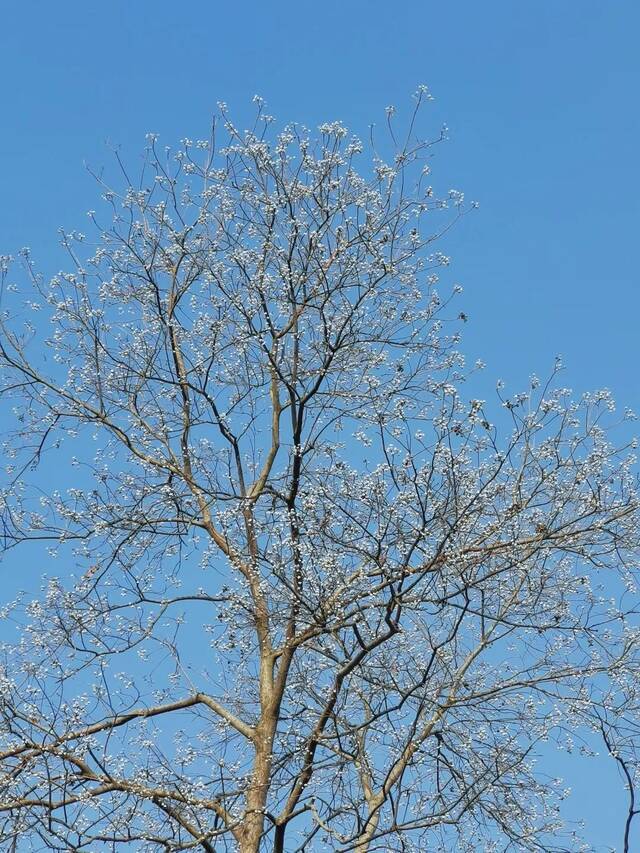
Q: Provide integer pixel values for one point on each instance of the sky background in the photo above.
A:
(541, 101)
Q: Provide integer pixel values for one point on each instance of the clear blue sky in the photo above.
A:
(541, 99)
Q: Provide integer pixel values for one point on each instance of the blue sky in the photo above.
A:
(541, 99)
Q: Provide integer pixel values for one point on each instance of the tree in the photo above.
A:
(306, 596)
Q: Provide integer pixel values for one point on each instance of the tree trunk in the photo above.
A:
(253, 827)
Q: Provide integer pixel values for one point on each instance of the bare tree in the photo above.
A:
(621, 740)
(304, 596)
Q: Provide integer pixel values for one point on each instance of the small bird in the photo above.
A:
(90, 572)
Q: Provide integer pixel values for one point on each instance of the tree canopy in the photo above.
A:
(302, 592)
